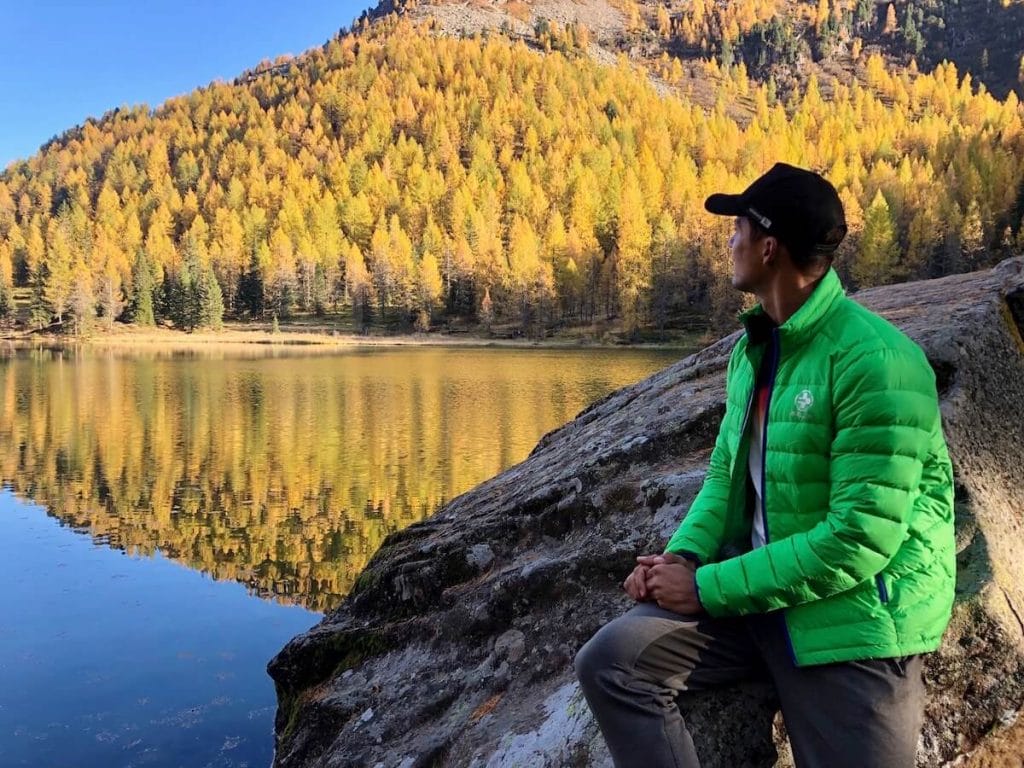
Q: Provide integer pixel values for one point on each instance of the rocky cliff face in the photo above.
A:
(456, 646)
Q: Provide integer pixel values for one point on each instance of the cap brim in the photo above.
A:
(724, 205)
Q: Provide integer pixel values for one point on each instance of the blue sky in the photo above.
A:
(66, 61)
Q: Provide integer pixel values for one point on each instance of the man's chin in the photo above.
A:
(741, 285)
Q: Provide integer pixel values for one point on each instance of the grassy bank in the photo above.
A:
(337, 329)
(302, 334)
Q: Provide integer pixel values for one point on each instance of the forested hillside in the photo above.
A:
(408, 179)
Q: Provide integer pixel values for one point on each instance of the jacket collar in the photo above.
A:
(804, 322)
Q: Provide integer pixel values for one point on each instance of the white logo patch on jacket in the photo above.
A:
(802, 403)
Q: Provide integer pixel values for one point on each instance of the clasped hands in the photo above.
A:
(668, 580)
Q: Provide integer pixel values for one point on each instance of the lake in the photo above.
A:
(169, 520)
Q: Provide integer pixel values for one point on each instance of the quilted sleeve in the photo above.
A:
(886, 417)
(702, 531)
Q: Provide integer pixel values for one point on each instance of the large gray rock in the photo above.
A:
(455, 646)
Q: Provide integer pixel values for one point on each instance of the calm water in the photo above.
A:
(170, 521)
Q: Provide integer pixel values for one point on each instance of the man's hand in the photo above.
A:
(671, 582)
(636, 584)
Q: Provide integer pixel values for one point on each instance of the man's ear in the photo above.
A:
(769, 250)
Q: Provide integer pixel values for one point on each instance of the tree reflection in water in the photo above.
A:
(280, 470)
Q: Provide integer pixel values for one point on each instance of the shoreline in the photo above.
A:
(292, 338)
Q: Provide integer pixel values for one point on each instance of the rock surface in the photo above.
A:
(456, 645)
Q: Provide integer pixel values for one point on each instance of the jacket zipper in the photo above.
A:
(764, 431)
(764, 473)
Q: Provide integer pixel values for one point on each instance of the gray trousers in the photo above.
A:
(866, 714)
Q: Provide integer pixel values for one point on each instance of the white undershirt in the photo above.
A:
(757, 533)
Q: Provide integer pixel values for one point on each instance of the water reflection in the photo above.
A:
(284, 470)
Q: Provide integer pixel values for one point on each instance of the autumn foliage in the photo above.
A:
(398, 177)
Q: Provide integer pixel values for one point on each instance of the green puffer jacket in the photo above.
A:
(858, 500)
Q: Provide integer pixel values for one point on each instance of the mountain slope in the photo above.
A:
(785, 39)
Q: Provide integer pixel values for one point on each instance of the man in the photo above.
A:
(819, 553)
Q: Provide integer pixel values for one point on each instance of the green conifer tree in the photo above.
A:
(320, 291)
(250, 296)
(211, 301)
(140, 308)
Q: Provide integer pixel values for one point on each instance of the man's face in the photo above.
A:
(747, 246)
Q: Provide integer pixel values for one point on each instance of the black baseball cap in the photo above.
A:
(799, 207)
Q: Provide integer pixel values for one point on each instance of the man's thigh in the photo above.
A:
(684, 653)
(863, 714)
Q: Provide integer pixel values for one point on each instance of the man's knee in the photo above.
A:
(651, 644)
(605, 650)
(589, 662)
(583, 664)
